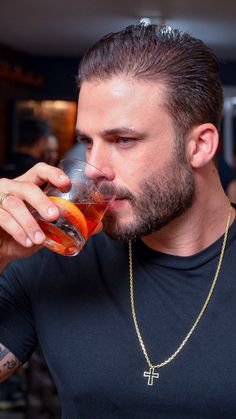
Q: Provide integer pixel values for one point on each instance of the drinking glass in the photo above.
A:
(81, 206)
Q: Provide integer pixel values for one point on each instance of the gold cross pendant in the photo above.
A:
(151, 375)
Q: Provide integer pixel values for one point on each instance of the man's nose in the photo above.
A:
(93, 172)
(100, 164)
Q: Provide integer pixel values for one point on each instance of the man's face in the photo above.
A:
(130, 138)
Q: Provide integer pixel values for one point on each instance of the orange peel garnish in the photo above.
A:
(72, 214)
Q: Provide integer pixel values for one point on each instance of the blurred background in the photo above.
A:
(41, 44)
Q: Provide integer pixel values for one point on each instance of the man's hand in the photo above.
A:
(20, 235)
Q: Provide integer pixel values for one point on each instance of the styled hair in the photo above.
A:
(31, 129)
(186, 67)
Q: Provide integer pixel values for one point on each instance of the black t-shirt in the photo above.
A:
(78, 309)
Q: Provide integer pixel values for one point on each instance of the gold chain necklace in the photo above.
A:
(151, 374)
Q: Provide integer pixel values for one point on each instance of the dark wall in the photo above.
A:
(228, 73)
(59, 76)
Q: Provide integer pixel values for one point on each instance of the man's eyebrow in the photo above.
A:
(122, 131)
(114, 131)
(79, 133)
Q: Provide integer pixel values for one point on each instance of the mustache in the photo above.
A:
(123, 193)
(108, 188)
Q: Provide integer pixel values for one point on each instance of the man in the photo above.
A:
(51, 151)
(143, 329)
(32, 134)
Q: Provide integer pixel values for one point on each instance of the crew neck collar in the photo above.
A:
(143, 252)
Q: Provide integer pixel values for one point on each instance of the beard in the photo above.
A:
(162, 197)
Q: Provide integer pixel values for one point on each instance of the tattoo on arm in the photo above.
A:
(8, 363)
(11, 364)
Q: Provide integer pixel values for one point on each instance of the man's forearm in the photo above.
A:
(8, 363)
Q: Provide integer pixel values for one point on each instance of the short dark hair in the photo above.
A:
(30, 130)
(185, 65)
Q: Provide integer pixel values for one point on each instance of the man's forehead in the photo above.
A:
(118, 85)
(118, 103)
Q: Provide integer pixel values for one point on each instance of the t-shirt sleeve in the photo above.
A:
(17, 331)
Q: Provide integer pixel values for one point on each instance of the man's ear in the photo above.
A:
(202, 144)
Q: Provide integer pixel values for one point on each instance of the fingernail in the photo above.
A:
(52, 211)
(28, 242)
(39, 237)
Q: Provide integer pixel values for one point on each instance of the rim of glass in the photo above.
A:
(81, 161)
(73, 159)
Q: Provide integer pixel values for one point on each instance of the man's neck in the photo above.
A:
(196, 229)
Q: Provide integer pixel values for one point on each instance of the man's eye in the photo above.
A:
(124, 140)
(84, 140)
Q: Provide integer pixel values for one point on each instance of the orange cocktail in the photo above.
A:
(75, 225)
(81, 207)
